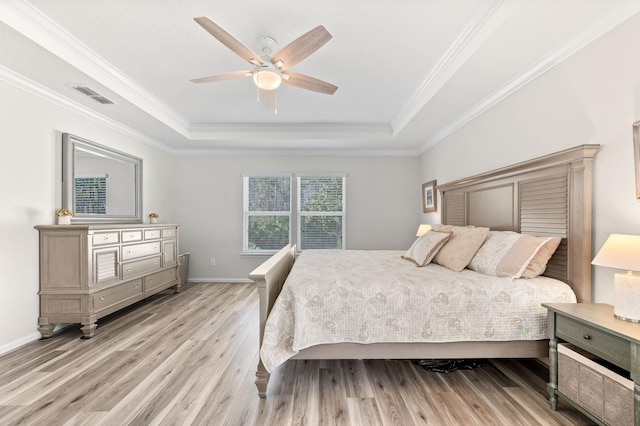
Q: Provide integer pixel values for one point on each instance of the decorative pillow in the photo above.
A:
(508, 254)
(461, 247)
(425, 247)
(539, 262)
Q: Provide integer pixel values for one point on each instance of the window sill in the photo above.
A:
(257, 254)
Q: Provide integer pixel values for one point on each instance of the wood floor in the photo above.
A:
(190, 358)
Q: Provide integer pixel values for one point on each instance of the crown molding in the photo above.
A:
(33, 24)
(55, 98)
(289, 131)
(49, 95)
(252, 152)
(486, 17)
(596, 31)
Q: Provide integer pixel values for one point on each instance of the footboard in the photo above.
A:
(270, 277)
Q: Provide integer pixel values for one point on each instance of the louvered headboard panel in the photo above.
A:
(544, 211)
(546, 196)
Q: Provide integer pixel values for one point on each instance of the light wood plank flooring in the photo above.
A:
(190, 358)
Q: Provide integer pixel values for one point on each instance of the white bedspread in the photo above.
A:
(335, 296)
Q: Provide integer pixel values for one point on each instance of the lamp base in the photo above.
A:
(626, 302)
(627, 319)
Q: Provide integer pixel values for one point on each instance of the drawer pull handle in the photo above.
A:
(151, 280)
(586, 337)
(135, 286)
(101, 297)
(171, 273)
(129, 269)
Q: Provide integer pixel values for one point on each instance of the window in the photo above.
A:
(269, 224)
(91, 195)
(267, 213)
(321, 212)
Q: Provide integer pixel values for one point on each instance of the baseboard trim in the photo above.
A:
(20, 342)
(220, 280)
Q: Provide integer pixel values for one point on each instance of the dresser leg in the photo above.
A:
(88, 330)
(46, 328)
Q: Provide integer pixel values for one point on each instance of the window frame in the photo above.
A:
(300, 213)
(246, 213)
(295, 232)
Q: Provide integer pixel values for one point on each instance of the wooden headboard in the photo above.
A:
(546, 196)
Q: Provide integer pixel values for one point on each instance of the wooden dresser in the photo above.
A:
(89, 271)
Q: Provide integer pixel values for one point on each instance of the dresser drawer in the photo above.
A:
(105, 238)
(159, 279)
(151, 234)
(140, 250)
(130, 236)
(138, 267)
(605, 345)
(114, 295)
(169, 233)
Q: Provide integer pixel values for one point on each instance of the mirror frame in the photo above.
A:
(69, 145)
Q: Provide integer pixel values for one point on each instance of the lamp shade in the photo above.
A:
(620, 252)
(423, 229)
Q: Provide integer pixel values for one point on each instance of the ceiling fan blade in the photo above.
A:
(301, 47)
(220, 77)
(268, 99)
(304, 81)
(228, 40)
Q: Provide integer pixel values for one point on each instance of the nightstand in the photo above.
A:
(604, 347)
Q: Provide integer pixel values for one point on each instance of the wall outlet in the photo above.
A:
(213, 261)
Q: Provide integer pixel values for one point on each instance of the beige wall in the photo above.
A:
(593, 97)
(381, 209)
(30, 170)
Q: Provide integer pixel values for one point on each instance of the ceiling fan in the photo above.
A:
(271, 70)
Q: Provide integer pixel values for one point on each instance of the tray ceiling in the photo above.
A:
(408, 73)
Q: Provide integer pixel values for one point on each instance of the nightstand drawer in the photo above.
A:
(603, 392)
(605, 345)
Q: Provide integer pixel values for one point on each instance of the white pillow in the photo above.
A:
(424, 249)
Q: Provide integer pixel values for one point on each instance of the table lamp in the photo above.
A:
(423, 229)
(623, 252)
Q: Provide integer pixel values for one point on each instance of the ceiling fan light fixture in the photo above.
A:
(267, 79)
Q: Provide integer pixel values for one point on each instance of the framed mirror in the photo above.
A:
(100, 184)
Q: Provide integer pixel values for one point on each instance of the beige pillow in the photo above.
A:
(539, 262)
(510, 254)
(461, 247)
(507, 254)
(425, 247)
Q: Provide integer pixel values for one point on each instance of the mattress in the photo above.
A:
(375, 296)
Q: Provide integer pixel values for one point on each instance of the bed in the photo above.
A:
(548, 196)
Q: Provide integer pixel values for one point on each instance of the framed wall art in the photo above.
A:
(429, 197)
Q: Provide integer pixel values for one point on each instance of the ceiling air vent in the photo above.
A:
(93, 95)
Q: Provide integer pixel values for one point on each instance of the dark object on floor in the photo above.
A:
(449, 365)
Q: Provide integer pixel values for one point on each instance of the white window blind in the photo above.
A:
(267, 213)
(321, 202)
(91, 195)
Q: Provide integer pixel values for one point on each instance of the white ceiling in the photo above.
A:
(409, 72)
